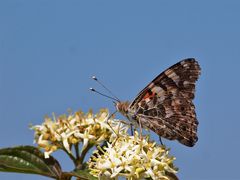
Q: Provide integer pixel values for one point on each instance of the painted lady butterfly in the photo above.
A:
(165, 105)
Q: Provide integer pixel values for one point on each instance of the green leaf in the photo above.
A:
(83, 174)
(28, 159)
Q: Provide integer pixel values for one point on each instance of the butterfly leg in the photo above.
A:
(139, 122)
(110, 124)
(131, 126)
(140, 127)
(133, 129)
(124, 122)
(160, 139)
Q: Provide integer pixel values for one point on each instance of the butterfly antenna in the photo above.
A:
(93, 90)
(108, 90)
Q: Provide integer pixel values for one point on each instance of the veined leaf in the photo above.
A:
(28, 159)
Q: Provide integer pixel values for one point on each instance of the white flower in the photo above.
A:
(64, 131)
(86, 137)
(132, 158)
(65, 138)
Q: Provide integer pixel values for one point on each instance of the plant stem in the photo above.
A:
(77, 150)
(71, 156)
(81, 158)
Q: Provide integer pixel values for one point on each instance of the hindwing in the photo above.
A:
(165, 105)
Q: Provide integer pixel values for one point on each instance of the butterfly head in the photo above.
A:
(122, 107)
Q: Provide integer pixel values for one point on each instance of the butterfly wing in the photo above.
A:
(165, 105)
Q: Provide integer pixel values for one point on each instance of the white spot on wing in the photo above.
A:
(173, 76)
(158, 90)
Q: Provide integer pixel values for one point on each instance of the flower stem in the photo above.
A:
(77, 150)
(82, 156)
(71, 156)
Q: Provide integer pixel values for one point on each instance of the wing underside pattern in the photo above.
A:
(165, 106)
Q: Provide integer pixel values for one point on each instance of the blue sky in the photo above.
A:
(50, 49)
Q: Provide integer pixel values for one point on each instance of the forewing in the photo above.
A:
(165, 105)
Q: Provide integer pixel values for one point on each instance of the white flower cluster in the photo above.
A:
(118, 154)
(67, 130)
(133, 158)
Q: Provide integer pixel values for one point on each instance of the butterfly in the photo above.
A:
(165, 105)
